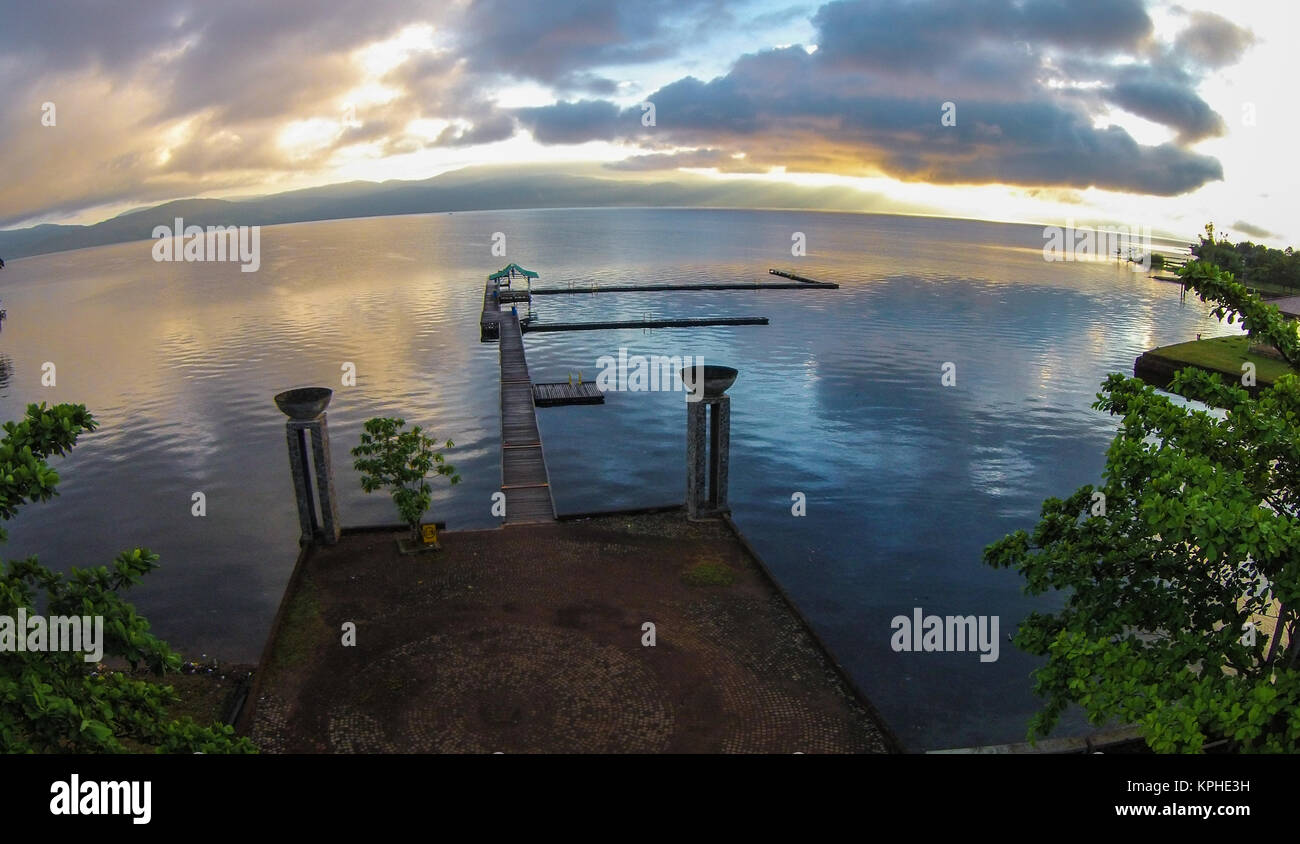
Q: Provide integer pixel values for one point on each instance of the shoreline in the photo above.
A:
(1214, 354)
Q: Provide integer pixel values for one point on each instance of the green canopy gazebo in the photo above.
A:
(512, 271)
(505, 294)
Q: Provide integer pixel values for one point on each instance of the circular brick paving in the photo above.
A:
(509, 688)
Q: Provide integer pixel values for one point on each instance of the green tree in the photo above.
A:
(1253, 263)
(401, 461)
(56, 702)
(1168, 567)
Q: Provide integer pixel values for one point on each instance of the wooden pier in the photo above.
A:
(524, 478)
(560, 394)
(489, 323)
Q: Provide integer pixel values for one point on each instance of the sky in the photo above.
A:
(1139, 112)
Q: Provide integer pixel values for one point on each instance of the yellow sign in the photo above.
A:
(429, 534)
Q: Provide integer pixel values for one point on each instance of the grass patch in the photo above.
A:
(709, 574)
(205, 697)
(302, 628)
(1267, 289)
(1224, 355)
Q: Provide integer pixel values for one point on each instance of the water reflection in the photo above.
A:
(839, 398)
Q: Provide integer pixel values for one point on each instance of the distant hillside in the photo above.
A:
(471, 189)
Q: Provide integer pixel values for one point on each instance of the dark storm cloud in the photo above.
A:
(555, 41)
(1168, 102)
(489, 129)
(813, 128)
(573, 122)
(888, 35)
(1028, 81)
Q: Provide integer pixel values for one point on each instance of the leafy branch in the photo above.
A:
(401, 461)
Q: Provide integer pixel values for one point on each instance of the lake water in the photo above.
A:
(839, 398)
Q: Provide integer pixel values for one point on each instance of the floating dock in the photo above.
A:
(801, 283)
(676, 288)
(804, 281)
(558, 395)
(682, 322)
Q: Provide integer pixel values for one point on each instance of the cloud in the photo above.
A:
(158, 100)
(559, 41)
(886, 35)
(868, 100)
(1254, 231)
(718, 159)
(1213, 41)
(1167, 100)
(572, 122)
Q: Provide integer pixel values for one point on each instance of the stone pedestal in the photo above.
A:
(708, 442)
(309, 444)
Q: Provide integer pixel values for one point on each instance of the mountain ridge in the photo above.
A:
(467, 189)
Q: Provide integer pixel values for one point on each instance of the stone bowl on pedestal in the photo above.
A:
(305, 403)
(716, 379)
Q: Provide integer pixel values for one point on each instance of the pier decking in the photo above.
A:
(489, 322)
(555, 395)
(524, 479)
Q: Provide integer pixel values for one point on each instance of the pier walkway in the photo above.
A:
(524, 478)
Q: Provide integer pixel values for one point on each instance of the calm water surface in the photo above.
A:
(839, 398)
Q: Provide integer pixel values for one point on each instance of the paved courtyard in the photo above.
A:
(530, 639)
